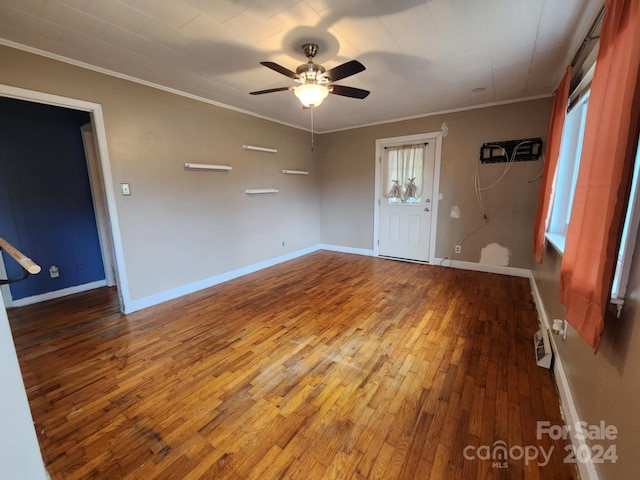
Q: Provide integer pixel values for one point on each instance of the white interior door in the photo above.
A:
(405, 223)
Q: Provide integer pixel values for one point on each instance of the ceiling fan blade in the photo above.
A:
(349, 91)
(345, 70)
(270, 90)
(280, 69)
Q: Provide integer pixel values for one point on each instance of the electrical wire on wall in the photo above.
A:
(539, 175)
(479, 189)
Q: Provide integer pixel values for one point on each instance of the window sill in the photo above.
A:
(557, 241)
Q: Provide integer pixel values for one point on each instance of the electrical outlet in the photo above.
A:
(458, 249)
(54, 272)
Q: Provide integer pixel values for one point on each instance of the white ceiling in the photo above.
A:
(422, 56)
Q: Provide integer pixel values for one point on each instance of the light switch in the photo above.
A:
(125, 189)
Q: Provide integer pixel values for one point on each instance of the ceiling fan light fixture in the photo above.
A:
(311, 94)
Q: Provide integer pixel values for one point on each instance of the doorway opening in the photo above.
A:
(102, 202)
(407, 179)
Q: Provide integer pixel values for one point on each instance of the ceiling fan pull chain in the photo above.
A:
(311, 128)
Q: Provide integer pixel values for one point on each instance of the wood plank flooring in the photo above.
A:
(330, 366)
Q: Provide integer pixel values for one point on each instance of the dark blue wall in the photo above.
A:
(46, 209)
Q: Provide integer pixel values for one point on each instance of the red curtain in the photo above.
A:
(552, 152)
(609, 145)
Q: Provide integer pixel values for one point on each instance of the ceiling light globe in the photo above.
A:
(311, 94)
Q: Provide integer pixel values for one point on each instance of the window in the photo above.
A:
(566, 174)
(403, 174)
(629, 234)
(566, 177)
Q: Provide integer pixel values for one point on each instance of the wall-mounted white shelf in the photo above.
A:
(260, 149)
(295, 172)
(206, 166)
(258, 191)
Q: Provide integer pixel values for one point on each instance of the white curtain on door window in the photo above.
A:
(404, 171)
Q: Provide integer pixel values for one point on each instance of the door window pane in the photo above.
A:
(404, 167)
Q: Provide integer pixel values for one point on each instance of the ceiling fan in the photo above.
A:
(315, 81)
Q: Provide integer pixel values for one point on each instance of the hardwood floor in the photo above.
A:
(329, 366)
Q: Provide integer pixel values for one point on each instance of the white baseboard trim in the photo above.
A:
(151, 300)
(338, 248)
(483, 267)
(57, 294)
(587, 470)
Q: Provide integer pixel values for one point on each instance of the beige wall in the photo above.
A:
(179, 226)
(605, 386)
(347, 167)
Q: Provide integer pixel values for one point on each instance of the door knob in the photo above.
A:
(426, 209)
